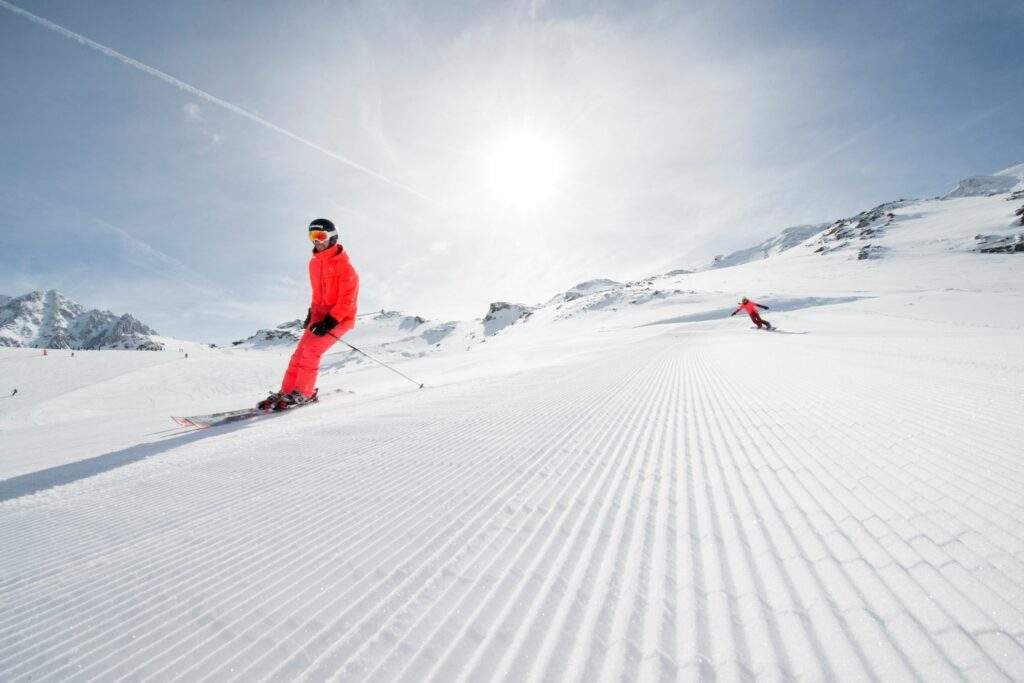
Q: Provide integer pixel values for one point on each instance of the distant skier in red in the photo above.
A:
(751, 308)
(332, 313)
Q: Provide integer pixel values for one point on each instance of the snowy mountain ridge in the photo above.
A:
(983, 186)
(50, 320)
(393, 332)
(1008, 180)
(1005, 181)
(787, 239)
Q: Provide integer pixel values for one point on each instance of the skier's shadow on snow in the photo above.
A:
(42, 480)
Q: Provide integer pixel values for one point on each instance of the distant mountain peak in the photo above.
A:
(48, 319)
(1001, 182)
(1017, 170)
(784, 241)
(983, 186)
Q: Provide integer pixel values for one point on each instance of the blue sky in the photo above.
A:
(514, 149)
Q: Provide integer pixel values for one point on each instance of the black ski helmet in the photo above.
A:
(327, 226)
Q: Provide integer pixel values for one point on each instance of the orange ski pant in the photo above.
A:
(305, 363)
(756, 318)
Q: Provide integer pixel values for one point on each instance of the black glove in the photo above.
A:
(324, 326)
(309, 314)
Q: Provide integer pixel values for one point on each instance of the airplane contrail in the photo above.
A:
(202, 94)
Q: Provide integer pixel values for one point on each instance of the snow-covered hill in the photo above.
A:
(870, 223)
(787, 239)
(1004, 181)
(627, 484)
(51, 320)
(587, 288)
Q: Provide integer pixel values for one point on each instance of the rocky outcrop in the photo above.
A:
(870, 252)
(1000, 244)
(285, 333)
(501, 314)
(866, 225)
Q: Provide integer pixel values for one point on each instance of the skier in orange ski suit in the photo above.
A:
(751, 308)
(332, 313)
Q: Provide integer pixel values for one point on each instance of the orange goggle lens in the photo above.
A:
(318, 235)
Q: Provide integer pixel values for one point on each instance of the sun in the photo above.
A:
(524, 168)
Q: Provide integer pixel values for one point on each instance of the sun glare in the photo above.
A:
(524, 168)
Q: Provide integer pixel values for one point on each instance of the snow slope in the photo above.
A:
(626, 485)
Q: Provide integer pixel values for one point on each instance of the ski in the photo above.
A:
(229, 416)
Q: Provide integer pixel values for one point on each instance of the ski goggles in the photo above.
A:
(319, 235)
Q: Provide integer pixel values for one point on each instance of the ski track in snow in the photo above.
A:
(663, 512)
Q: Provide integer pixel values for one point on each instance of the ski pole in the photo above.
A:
(375, 360)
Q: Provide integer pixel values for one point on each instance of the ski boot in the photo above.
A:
(270, 401)
(296, 398)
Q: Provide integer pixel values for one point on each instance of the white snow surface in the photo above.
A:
(628, 485)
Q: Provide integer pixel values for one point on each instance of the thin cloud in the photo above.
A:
(147, 256)
(212, 99)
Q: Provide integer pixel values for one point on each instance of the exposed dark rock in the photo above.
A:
(288, 332)
(871, 251)
(1000, 244)
(867, 225)
(501, 314)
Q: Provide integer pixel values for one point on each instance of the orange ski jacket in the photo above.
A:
(335, 286)
(750, 307)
